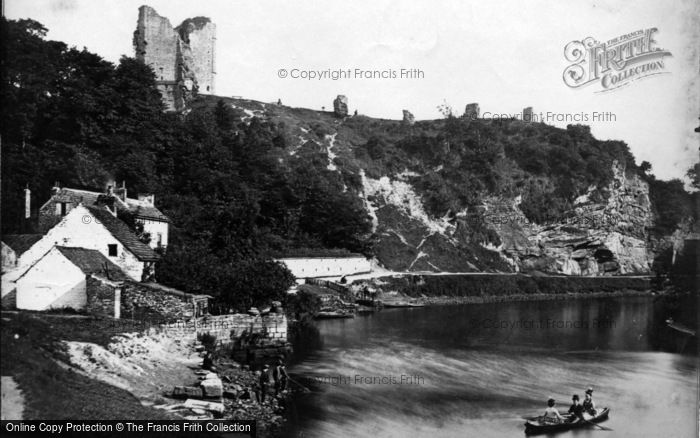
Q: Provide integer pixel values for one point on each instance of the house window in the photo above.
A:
(112, 250)
(160, 239)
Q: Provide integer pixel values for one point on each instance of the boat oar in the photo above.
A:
(597, 425)
(299, 384)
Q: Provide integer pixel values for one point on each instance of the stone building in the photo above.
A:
(340, 106)
(124, 298)
(96, 227)
(528, 115)
(181, 57)
(472, 111)
(58, 279)
(408, 118)
(326, 267)
(84, 279)
(13, 246)
(143, 210)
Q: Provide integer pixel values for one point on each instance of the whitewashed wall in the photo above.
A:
(53, 283)
(9, 258)
(80, 229)
(317, 267)
(154, 228)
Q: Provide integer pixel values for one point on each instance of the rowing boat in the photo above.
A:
(535, 426)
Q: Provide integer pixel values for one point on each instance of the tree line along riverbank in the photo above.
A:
(500, 287)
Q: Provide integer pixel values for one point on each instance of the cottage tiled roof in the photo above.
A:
(21, 242)
(144, 210)
(91, 261)
(138, 208)
(123, 234)
(84, 196)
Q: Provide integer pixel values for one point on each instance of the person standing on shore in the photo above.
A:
(263, 383)
(280, 376)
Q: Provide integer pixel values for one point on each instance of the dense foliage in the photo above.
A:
(72, 117)
(459, 161)
(235, 195)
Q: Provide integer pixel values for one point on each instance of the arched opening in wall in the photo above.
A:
(207, 87)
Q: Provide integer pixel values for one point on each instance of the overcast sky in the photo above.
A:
(505, 55)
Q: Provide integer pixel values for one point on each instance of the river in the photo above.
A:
(474, 370)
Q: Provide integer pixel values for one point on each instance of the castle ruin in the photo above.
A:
(472, 111)
(181, 57)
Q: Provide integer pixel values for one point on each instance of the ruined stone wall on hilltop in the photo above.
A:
(198, 36)
(182, 57)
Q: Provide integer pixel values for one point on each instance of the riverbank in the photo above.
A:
(465, 288)
(38, 352)
(241, 399)
(448, 300)
(76, 366)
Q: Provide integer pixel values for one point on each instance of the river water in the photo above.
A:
(474, 370)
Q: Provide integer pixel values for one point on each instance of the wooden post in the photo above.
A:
(117, 302)
(194, 304)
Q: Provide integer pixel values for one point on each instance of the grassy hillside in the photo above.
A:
(33, 353)
(243, 181)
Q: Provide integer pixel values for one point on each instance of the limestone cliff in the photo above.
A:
(605, 228)
(595, 238)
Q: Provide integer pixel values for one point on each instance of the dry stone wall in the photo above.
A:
(227, 328)
(173, 315)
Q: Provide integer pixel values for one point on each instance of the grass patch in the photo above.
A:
(31, 352)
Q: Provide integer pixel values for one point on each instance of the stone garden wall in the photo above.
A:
(227, 328)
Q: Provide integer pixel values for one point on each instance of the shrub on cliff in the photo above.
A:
(302, 305)
(671, 203)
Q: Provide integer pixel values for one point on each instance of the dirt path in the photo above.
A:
(12, 405)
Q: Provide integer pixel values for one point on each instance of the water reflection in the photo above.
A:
(483, 366)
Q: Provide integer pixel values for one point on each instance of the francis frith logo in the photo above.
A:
(614, 63)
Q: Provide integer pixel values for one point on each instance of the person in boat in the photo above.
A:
(589, 404)
(551, 414)
(576, 408)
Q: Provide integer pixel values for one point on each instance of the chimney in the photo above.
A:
(121, 191)
(27, 202)
(109, 187)
(107, 201)
(56, 188)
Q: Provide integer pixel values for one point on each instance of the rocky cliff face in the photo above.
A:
(607, 231)
(609, 236)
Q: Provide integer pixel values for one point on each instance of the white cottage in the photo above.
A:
(58, 279)
(13, 246)
(143, 210)
(96, 228)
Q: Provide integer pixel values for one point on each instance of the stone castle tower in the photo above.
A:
(181, 57)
